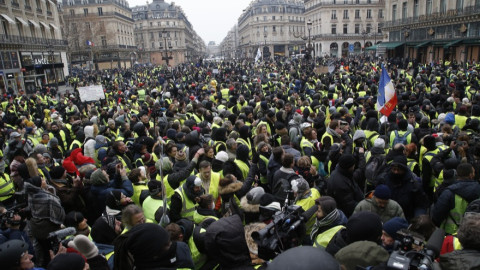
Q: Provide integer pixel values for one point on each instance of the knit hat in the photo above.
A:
(400, 161)
(362, 254)
(100, 139)
(382, 192)
(171, 134)
(73, 261)
(57, 172)
(473, 207)
(349, 101)
(154, 186)
(394, 225)
(254, 195)
(379, 142)
(450, 119)
(429, 142)
(268, 201)
(53, 141)
(73, 218)
(299, 185)
(222, 156)
(242, 152)
(180, 155)
(165, 163)
(146, 158)
(98, 178)
(346, 161)
(85, 246)
(364, 226)
(358, 135)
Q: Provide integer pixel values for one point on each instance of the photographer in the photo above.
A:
(13, 225)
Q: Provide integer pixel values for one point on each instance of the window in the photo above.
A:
(459, 4)
(369, 28)
(369, 1)
(345, 14)
(334, 14)
(274, 28)
(334, 29)
(104, 41)
(345, 28)
(87, 25)
(443, 6)
(394, 12)
(357, 1)
(72, 12)
(404, 10)
(357, 13)
(369, 13)
(428, 10)
(357, 28)
(100, 11)
(415, 8)
(257, 19)
(273, 18)
(264, 29)
(85, 11)
(380, 13)
(264, 18)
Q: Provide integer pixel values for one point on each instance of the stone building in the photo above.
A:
(275, 26)
(164, 35)
(99, 33)
(430, 30)
(32, 50)
(344, 27)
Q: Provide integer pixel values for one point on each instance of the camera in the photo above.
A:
(412, 253)
(7, 217)
(57, 237)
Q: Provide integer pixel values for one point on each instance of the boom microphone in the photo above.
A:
(435, 241)
(63, 233)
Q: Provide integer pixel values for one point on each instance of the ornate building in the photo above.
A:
(229, 46)
(164, 35)
(430, 30)
(32, 51)
(272, 25)
(99, 33)
(344, 27)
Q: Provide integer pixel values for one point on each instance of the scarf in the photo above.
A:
(324, 224)
(333, 132)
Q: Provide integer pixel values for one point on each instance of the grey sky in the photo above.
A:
(211, 19)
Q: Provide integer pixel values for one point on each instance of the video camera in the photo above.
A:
(410, 252)
(7, 217)
(286, 230)
(57, 237)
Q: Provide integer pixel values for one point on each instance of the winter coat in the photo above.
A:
(251, 212)
(100, 192)
(361, 254)
(338, 242)
(345, 190)
(467, 189)
(89, 145)
(460, 259)
(391, 210)
(273, 166)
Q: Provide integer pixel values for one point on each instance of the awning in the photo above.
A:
(390, 45)
(54, 26)
(22, 21)
(371, 48)
(451, 43)
(9, 20)
(34, 23)
(44, 25)
(423, 44)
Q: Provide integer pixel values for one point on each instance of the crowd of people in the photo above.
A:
(177, 167)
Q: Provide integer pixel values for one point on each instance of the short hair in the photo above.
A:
(333, 124)
(469, 231)
(128, 213)
(277, 153)
(204, 164)
(464, 170)
(134, 174)
(423, 225)
(175, 231)
(169, 147)
(304, 162)
(116, 144)
(287, 160)
(230, 143)
(285, 140)
(403, 124)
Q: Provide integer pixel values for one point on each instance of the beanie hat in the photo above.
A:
(382, 192)
(242, 152)
(100, 139)
(72, 261)
(473, 207)
(73, 218)
(53, 141)
(171, 134)
(254, 195)
(57, 172)
(85, 246)
(222, 156)
(364, 226)
(28, 130)
(400, 161)
(299, 185)
(394, 225)
(450, 118)
(154, 187)
(379, 142)
(429, 142)
(304, 258)
(165, 164)
(98, 178)
(146, 158)
(346, 161)
(180, 155)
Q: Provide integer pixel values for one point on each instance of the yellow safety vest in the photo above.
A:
(137, 190)
(150, 207)
(188, 207)
(451, 223)
(243, 167)
(214, 182)
(7, 188)
(322, 240)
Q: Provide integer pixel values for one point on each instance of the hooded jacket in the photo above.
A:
(345, 190)
(460, 259)
(89, 145)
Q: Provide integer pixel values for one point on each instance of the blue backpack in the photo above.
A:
(400, 139)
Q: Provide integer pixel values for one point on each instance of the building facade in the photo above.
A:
(164, 35)
(229, 47)
(32, 50)
(430, 30)
(275, 26)
(344, 27)
(99, 33)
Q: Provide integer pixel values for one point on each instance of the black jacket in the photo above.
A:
(339, 241)
(343, 187)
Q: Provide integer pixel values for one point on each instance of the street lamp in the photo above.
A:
(52, 61)
(406, 33)
(309, 38)
(364, 35)
(166, 57)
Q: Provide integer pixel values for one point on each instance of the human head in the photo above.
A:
(14, 255)
(382, 195)
(119, 147)
(465, 171)
(205, 169)
(326, 205)
(132, 215)
(288, 160)
(390, 229)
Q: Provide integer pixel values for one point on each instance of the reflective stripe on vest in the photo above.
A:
(244, 168)
(7, 188)
(324, 238)
(306, 143)
(451, 223)
(188, 207)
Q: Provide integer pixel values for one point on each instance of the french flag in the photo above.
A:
(387, 98)
(89, 43)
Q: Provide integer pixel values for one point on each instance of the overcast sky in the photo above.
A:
(211, 19)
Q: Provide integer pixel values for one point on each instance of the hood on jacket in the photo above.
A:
(228, 188)
(359, 134)
(467, 189)
(250, 208)
(88, 130)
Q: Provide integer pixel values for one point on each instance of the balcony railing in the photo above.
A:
(28, 8)
(11, 39)
(104, 14)
(15, 4)
(351, 35)
(344, 3)
(453, 13)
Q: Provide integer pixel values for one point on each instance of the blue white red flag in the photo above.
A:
(387, 98)
(89, 43)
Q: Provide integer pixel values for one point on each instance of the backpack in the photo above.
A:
(297, 139)
(279, 190)
(369, 140)
(373, 168)
(400, 139)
